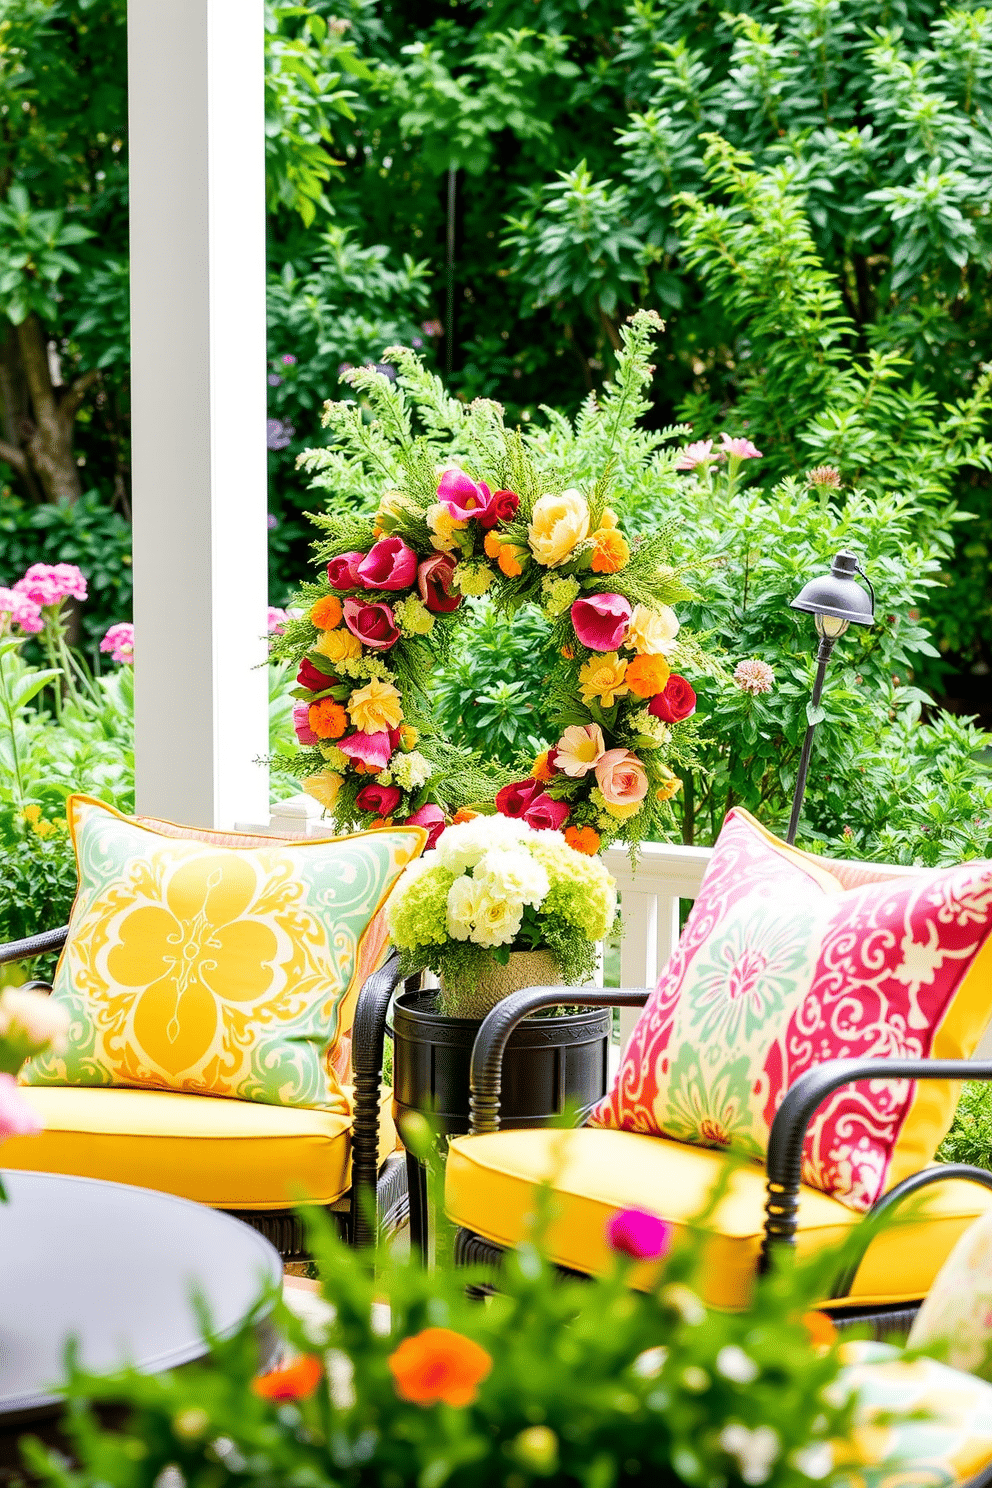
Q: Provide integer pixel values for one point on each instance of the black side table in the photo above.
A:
(115, 1268)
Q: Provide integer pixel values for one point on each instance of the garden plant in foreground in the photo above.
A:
(555, 1381)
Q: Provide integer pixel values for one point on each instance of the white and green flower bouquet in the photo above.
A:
(499, 905)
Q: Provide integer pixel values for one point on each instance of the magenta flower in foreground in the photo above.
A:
(700, 453)
(431, 817)
(741, 449)
(119, 641)
(17, 1119)
(639, 1235)
(50, 583)
(17, 609)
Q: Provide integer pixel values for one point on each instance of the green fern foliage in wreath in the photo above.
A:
(465, 508)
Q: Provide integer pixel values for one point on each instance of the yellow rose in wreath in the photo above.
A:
(376, 708)
(557, 526)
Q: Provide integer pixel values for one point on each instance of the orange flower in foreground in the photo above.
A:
(439, 1365)
(296, 1382)
(463, 814)
(610, 553)
(327, 612)
(583, 839)
(822, 1331)
(328, 719)
(492, 544)
(647, 675)
(540, 769)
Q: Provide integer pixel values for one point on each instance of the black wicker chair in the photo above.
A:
(785, 1144)
(378, 1199)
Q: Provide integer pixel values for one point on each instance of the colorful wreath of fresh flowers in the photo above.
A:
(495, 514)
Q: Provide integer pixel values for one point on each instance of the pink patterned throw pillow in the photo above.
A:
(780, 968)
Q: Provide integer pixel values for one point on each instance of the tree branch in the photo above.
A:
(73, 398)
(15, 458)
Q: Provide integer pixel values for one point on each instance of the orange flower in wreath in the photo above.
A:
(328, 720)
(439, 1365)
(296, 1382)
(583, 839)
(326, 613)
(541, 770)
(463, 814)
(647, 675)
(506, 555)
(610, 550)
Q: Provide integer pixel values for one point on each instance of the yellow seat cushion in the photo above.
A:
(229, 1154)
(492, 1181)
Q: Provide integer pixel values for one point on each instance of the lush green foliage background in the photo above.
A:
(592, 154)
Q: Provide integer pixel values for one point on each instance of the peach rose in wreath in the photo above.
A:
(623, 781)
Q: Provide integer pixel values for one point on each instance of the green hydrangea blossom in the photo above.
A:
(418, 910)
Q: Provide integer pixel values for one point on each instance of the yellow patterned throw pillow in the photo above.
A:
(215, 970)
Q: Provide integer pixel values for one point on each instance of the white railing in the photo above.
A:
(651, 896)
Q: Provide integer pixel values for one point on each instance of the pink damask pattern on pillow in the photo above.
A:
(779, 969)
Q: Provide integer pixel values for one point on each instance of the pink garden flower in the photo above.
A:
(463, 496)
(276, 620)
(431, 817)
(51, 583)
(601, 621)
(301, 723)
(373, 624)
(17, 1119)
(119, 641)
(390, 564)
(754, 676)
(700, 453)
(545, 814)
(371, 749)
(638, 1234)
(739, 449)
(17, 609)
(342, 571)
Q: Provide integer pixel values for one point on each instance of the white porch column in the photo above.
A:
(197, 169)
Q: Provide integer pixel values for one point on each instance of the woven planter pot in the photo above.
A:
(524, 969)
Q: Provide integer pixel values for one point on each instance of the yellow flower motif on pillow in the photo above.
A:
(191, 953)
(221, 971)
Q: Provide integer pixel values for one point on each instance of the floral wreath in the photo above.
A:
(368, 637)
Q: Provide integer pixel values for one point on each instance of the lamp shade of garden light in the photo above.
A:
(835, 601)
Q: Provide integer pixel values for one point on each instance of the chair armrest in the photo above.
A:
(492, 1038)
(33, 945)
(368, 1037)
(800, 1104)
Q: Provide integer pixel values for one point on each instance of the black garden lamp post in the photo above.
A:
(835, 602)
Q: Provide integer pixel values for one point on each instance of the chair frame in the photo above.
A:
(783, 1164)
(378, 1200)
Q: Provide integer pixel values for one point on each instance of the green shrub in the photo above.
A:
(970, 1138)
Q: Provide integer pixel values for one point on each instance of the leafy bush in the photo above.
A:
(493, 693)
(970, 1138)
